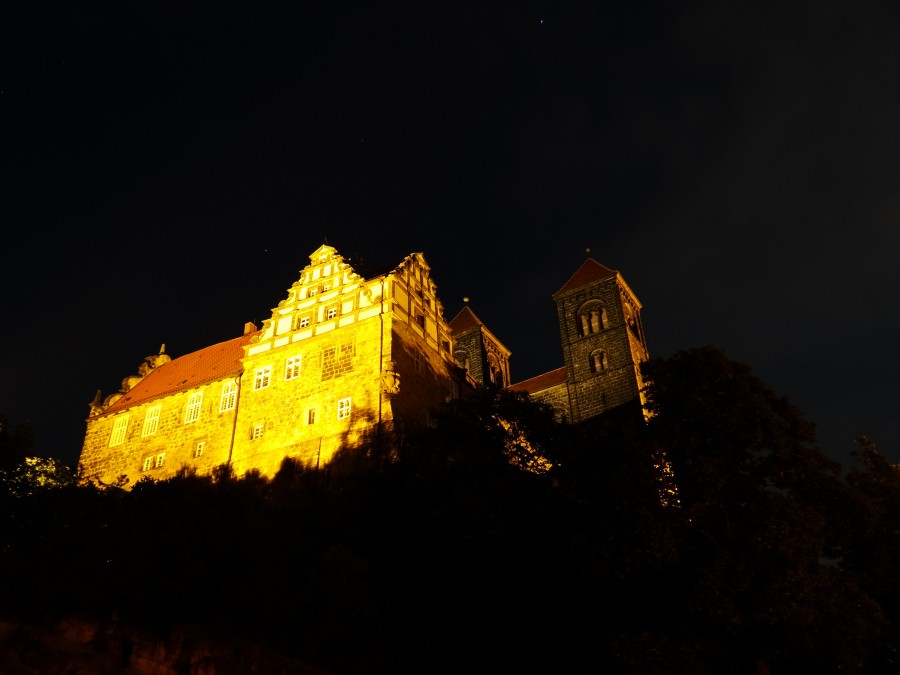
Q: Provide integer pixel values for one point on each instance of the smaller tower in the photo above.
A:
(602, 340)
(476, 349)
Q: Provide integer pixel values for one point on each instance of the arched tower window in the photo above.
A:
(496, 374)
(599, 362)
(592, 318)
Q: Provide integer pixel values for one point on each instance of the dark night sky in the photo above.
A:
(167, 170)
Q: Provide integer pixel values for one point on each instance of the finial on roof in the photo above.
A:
(587, 250)
(162, 348)
(466, 300)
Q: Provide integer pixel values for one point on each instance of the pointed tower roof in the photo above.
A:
(465, 320)
(589, 272)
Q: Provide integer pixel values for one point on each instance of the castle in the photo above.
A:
(344, 359)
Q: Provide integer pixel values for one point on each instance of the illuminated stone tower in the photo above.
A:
(476, 349)
(602, 340)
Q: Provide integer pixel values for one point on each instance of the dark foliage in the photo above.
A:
(501, 540)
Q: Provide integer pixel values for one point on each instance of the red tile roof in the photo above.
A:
(464, 320)
(540, 382)
(589, 271)
(209, 364)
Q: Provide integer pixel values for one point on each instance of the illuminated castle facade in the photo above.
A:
(345, 359)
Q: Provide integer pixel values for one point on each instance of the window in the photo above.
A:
(599, 362)
(292, 367)
(344, 407)
(262, 378)
(454, 390)
(148, 463)
(120, 426)
(199, 448)
(303, 322)
(420, 319)
(311, 416)
(195, 402)
(331, 313)
(420, 358)
(326, 288)
(311, 292)
(257, 431)
(151, 421)
(229, 396)
(592, 318)
(160, 459)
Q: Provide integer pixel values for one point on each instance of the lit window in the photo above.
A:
(229, 396)
(263, 377)
(160, 459)
(304, 322)
(331, 313)
(326, 287)
(199, 448)
(148, 464)
(311, 416)
(118, 433)
(292, 367)
(344, 407)
(311, 292)
(195, 402)
(257, 431)
(151, 421)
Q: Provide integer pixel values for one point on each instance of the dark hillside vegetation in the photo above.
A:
(502, 539)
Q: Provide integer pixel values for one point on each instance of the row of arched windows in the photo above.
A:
(592, 318)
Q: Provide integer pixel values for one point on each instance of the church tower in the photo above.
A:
(484, 357)
(602, 340)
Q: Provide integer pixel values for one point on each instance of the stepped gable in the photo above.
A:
(541, 382)
(589, 272)
(211, 363)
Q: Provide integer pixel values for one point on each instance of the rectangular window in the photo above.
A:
(148, 464)
(292, 367)
(311, 292)
(199, 448)
(229, 396)
(311, 416)
(118, 433)
(344, 407)
(331, 313)
(257, 431)
(304, 322)
(454, 390)
(160, 459)
(195, 402)
(419, 359)
(151, 421)
(263, 377)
